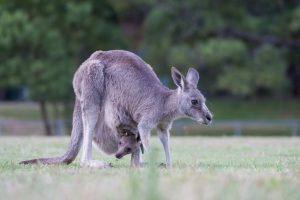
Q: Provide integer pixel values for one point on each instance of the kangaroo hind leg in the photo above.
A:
(92, 94)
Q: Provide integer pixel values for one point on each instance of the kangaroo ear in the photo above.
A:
(177, 77)
(192, 76)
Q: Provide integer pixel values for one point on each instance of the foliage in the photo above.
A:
(241, 48)
(238, 46)
(264, 72)
(43, 43)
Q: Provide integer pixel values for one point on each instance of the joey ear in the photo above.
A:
(192, 76)
(177, 77)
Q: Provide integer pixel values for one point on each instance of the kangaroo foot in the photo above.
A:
(164, 165)
(96, 164)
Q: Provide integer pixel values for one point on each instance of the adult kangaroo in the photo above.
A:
(113, 85)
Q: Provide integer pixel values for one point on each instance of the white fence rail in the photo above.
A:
(238, 125)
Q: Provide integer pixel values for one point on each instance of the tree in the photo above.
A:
(42, 44)
(239, 47)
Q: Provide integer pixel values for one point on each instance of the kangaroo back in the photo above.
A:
(74, 146)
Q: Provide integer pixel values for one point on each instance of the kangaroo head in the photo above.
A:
(128, 143)
(191, 101)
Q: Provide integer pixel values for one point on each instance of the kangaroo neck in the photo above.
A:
(171, 106)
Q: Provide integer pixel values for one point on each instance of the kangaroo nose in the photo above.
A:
(208, 117)
(118, 156)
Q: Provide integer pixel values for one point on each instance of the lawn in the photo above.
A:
(204, 168)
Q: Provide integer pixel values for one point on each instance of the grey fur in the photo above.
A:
(116, 88)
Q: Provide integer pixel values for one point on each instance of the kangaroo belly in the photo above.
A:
(112, 117)
(106, 139)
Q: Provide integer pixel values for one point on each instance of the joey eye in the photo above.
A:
(120, 143)
(194, 102)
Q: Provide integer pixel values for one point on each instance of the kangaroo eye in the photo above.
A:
(194, 102)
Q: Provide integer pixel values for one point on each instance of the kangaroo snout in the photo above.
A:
(119, 155)
(208, 118)
(122, 151)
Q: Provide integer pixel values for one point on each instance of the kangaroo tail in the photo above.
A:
(74, 146)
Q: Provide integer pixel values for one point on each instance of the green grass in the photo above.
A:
(204, 168)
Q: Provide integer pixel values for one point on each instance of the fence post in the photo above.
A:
(237, 129)
(294, 129)
(58, 127)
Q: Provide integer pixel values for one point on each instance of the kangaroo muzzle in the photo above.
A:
(207, 116)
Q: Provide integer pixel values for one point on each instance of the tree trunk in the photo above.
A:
(294, 76)
(45, 118)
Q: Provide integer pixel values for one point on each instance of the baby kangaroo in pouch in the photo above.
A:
(130, 143)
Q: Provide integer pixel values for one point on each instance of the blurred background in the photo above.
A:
(247, 53)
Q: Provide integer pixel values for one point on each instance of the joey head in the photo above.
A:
(129, 143)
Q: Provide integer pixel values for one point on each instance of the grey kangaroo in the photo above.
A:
(111, 85)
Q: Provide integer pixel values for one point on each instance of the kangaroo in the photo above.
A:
(111, 85)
